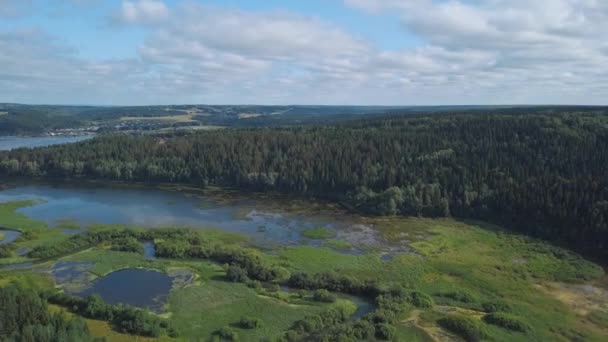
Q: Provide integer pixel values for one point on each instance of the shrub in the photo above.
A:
(420, 299)
(385, 332)
(324, 296)
(123, 318)
(236, 274)
(459, 296)
(496, 307)
(469, 329)
(5, 252)
(249, 323)
(128, 244)
(226, 333)
(506, 321)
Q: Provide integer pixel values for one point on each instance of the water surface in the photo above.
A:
(149, 250)
(8, 143)
(141, 288)
(150, 207)
(9, 236)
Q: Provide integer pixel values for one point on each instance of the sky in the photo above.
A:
(327, 52)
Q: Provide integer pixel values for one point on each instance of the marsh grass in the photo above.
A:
(318, 233)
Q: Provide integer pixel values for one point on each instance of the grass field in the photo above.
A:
(465, 267)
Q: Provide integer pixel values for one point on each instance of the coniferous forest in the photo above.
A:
(541, 174)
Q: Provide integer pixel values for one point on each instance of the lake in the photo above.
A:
(266, 225)
(8, 143)
(141, 288)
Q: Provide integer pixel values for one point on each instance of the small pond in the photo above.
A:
(9, 236)
(149, 250)
(136, 287)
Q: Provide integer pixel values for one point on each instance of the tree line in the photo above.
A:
(542, 174)
(25, 317)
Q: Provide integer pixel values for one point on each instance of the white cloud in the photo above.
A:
(552, 50)
(142, 12)
(483, 52)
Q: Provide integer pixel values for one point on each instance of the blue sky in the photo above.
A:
(391, 52)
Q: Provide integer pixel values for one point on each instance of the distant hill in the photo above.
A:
(37, 119)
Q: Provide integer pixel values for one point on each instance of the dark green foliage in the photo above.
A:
(385, 331)
(123, 318)
(467, 328)
(128, 244)
(507, 321)
(540, 174)
(249, 323)
(334, 282)
(18, 122)
(79, 242)
(236, 274)
(226, 334)
(25, 317)
(457, 296)
(5, 252)
(320, 322)
(492, 307)
(420, 299)
(323, 295)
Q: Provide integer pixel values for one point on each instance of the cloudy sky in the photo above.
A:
(377, 52)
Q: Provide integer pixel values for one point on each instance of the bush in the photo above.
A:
(324, 296)
(496, 307)
(123, 318)
(385, 332)
(249, 323)
(506, 321)
(5, 252)
(236, 274)
(420, 299)
(469, 329)
(227, 334)
(128, 244)
(459, 296)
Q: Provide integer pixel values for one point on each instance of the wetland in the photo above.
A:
(211, 261)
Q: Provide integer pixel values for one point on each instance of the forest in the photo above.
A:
(539, 174)
(25, 317)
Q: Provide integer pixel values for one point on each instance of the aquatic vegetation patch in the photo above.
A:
(318, 233)
(339, 245)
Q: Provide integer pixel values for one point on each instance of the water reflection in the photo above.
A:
(148, 207)
(8, 143)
